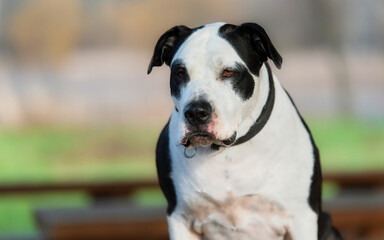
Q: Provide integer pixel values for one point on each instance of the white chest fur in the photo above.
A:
(263, 183)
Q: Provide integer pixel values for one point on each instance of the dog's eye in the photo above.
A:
(181, 73)
(228, 73)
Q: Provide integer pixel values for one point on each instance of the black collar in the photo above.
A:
(265, 113)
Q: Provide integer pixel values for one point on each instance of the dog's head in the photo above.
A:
(215, 79)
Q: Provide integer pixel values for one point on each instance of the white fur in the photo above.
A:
(276, 164)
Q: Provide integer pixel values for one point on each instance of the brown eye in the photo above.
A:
(228, 73)
(181, 74)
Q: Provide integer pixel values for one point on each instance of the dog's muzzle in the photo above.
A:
(198, 116)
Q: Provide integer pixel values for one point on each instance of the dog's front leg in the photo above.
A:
(178, 229)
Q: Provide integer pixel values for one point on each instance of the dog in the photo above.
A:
(236, 159)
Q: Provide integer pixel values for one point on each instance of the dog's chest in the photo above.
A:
(226, 200)
(237, 217)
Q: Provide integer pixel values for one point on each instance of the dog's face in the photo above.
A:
(214, 78)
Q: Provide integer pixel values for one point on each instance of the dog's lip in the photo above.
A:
(230, 140)
(186, 141)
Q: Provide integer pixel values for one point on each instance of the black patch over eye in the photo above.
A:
(179, 77)
(242, 81)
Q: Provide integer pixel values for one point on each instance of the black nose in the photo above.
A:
(198, 112)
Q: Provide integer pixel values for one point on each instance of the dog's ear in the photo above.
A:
(261, 43)
(167, 45)
(248, 37)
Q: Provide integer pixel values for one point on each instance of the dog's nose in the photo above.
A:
(198, 112)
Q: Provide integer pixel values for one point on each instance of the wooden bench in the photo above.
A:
(104, 222)
(361, 180)
(104, 219)
(358, 216)
(358, 211)
(97, 190)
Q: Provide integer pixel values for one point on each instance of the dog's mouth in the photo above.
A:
(206, 139)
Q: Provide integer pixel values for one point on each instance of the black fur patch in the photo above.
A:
(176, 81)
(163, 165)
(242, 82)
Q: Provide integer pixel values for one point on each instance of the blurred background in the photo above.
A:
(79, 116)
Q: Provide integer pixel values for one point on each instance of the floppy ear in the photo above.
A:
(261, 43)
(167, 45)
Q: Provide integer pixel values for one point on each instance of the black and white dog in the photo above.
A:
(236, 160)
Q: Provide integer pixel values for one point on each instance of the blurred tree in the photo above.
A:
(44, 29)
(139, 23)
(43, 32)
(328, 32)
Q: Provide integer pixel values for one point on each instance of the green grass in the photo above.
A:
(349, 145)
(49, 154)
(61, 154)
(17, 210)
